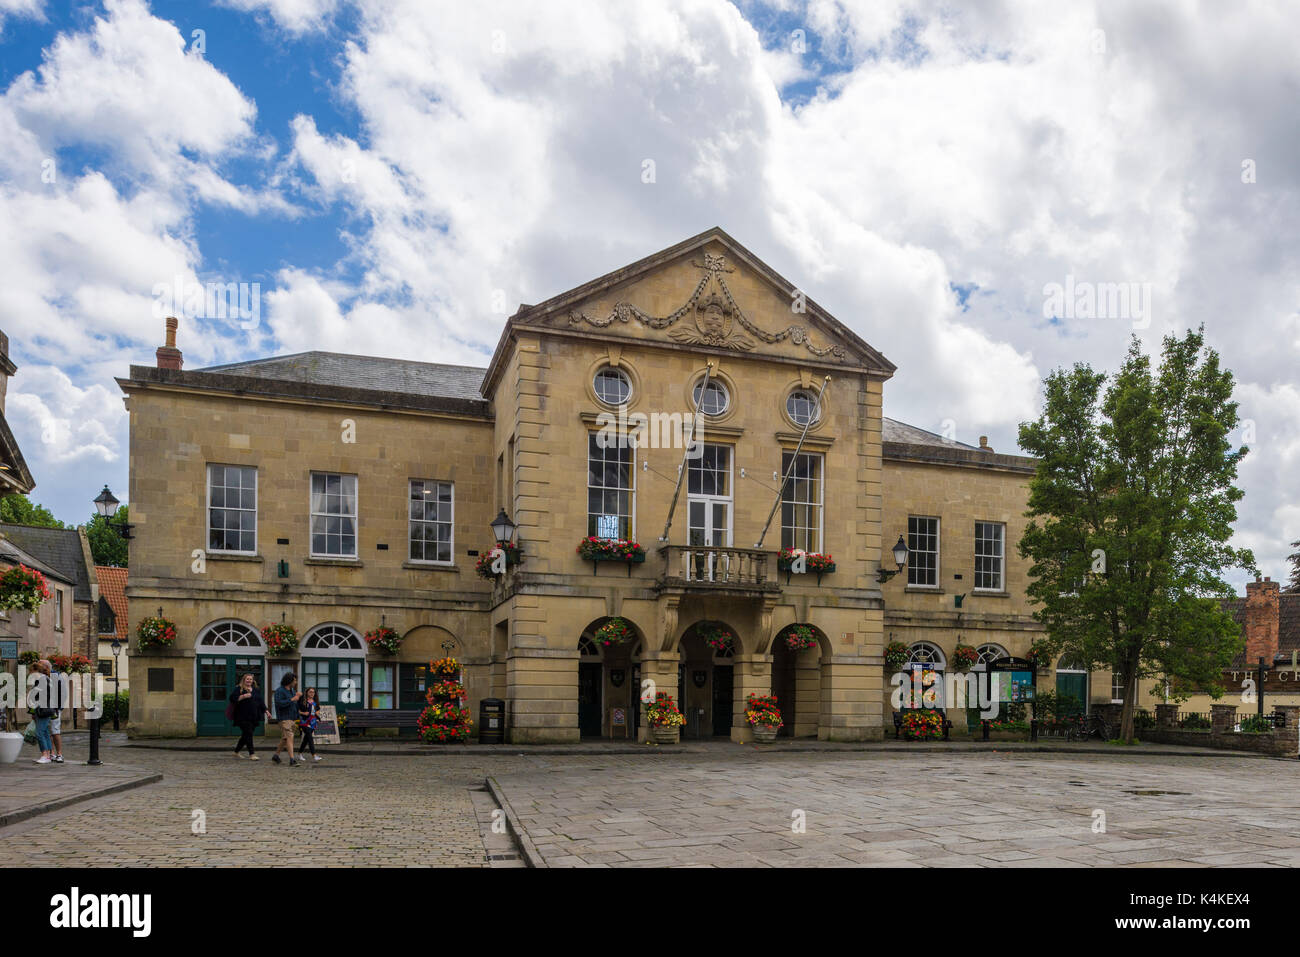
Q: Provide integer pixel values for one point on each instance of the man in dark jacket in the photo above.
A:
(286, 712)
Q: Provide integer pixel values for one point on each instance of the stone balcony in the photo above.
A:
(718, 570)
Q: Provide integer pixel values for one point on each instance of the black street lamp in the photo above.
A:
(117, 693)
(900, 559)
(503, 528)
(106, 504)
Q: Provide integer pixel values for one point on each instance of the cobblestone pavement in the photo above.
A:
(985, 810)
(732, 806)
(345, 811)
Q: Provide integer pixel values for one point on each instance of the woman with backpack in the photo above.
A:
(308, 709)
(246, 710)
(39, 705)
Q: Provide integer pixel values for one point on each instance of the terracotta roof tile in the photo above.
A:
(112, 588)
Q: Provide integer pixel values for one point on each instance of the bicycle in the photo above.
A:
(1086, 726)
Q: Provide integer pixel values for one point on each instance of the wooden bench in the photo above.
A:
(359, 719)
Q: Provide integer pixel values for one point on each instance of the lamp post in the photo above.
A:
(900, 559)
(117, 693)
(106, 504)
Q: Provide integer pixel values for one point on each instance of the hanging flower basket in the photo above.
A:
(896, 654)
(597, 550)
(281, 639)
(800, 638)
(717, 638)
(484, 564)
(384, 640)
(28, 658)
(964, 658)
(616, 631)
(23, 587)
(1039, 655)
(155, 632)
(71, 664)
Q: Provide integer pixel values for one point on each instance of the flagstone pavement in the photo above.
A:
(726, 805)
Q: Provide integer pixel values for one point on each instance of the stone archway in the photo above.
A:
(609, 683)
(797, 681)
(707, 688)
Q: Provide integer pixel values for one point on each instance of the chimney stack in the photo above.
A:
(168, 356)
(1262, 620)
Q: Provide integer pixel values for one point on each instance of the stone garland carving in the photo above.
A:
(716, 317)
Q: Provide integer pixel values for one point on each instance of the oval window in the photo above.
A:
(801, 406)
(715, 398)
(612, 387)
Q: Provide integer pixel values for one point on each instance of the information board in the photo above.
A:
(1016, 679)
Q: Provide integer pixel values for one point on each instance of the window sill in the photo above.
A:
(232, 557)
(978, 593)
(924, 589)
(342, 562)
(432, 566)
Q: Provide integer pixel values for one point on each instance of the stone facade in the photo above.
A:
(522, 443)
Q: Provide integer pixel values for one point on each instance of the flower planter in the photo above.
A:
(663, 734)
(11, 743)
(764, 733)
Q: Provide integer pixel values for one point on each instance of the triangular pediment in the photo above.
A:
(710, 293)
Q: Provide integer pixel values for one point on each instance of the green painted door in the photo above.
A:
(216, 679)
(412, 688)
(1074, 685)
(338, 681)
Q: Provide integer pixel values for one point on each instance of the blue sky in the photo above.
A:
(397, 177)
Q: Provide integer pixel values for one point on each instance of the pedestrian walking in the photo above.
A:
(246, 711)
(286, 712)
(39, 704)
(60, 694)
(308, 709)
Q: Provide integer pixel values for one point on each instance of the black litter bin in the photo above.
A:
(491, 721)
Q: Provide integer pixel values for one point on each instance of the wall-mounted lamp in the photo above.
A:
(900, 559)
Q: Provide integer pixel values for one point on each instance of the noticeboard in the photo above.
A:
(1016, 679)
(327, 725)
(9, 650)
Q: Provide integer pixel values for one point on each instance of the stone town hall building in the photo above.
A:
(337, 492)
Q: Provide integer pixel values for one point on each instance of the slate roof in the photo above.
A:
(891, 430)
(16, 555)
(56, 548)
(112, 589)
(363, 372)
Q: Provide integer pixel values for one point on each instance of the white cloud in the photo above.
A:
(32, 9)
(294, 16)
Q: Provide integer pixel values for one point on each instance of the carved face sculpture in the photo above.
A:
(713, 321)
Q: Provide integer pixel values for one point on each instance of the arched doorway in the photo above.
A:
(334, 662)
(224, 652)
(608, 683)
(706, 686)
(796, 680)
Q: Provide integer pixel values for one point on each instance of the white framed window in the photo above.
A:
(222, 635)
(801, 501)
(714, 400)
(612, 386)
(990, 557)
(1116, 688)
(58, 609)
(611, 490)
(923, 551)
(801, 406)
(432, 520)
(990, 652)
(333, 515)
(232, 509)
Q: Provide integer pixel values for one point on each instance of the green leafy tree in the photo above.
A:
(1130, 516)
(18, 509)
(106, 543)
(1294, 559)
